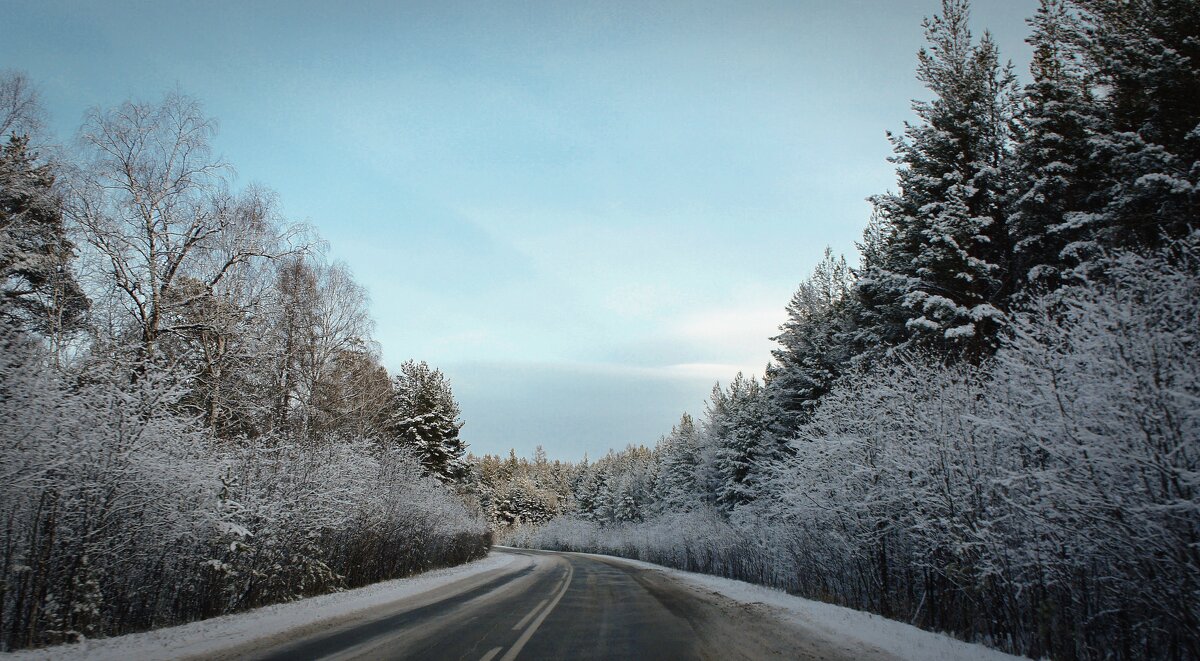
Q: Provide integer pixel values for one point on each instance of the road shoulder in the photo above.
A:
(835, 628)
(240, 634)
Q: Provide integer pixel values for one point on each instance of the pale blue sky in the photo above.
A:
(584, 212)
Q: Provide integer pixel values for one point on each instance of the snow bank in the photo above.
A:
(210, 637)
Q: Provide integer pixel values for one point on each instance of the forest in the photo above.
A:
(194, 419)
(990, 424)
(985, 423)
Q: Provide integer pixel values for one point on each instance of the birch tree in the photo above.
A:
(155, 206)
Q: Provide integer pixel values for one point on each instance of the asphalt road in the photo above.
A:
(562, 606)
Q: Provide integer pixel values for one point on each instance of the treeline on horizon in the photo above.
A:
(194, 419)
(991, 426)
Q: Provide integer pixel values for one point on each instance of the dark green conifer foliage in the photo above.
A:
(1054, 173)
(676, 484)
(1146, 54)
(38, 292)
(740, 425)
(815, 341)
(943, 251)
(425, 419)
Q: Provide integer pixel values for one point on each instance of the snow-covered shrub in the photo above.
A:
(1096, 403)
(307, 519)
(101, 495)
(699, 540)
(119, 515)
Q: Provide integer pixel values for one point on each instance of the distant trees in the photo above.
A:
(617, 487)
(516, 491)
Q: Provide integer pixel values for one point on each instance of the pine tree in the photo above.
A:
(425, 419)
(1146, 54)
(876, 310)
(1054, 172)
(676, 485)
(38, 292)
(744, 441)
(941, 265)
(814, 341)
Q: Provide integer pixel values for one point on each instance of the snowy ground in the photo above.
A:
(214, 636)
(897, 638)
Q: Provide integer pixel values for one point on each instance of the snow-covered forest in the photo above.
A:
(991, 424)
(988, 423)
(194, 419)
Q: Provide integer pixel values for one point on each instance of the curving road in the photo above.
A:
(560, 606)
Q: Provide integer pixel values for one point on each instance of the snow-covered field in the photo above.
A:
(903, 640)
(213, 636)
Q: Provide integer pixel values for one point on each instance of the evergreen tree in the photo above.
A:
(744, 442)
(425, 419)
(1055, 174)
(595, 495)
(679, 457)
(814, 341)
(38, 291)
(876, 309)
(1146, 54)
(942, 263)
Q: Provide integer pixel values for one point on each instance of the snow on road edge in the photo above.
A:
(903, 640)
(211, 636)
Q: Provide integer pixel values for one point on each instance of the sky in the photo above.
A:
(584, 213)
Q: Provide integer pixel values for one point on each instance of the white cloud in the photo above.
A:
(738, 338)
(710, 372)
(745, 325)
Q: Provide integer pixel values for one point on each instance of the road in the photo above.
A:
(561, 606)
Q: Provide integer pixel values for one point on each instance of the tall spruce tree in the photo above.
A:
(941, 266)
(1146, 54)
(1054, 172)
(38, 291)
(744, 441)
(425, 419)
(877, 309)
(676, 483)
(815, 341)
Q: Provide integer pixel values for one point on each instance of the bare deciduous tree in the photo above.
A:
(20, 108)
(154, 204)
(320, 321)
